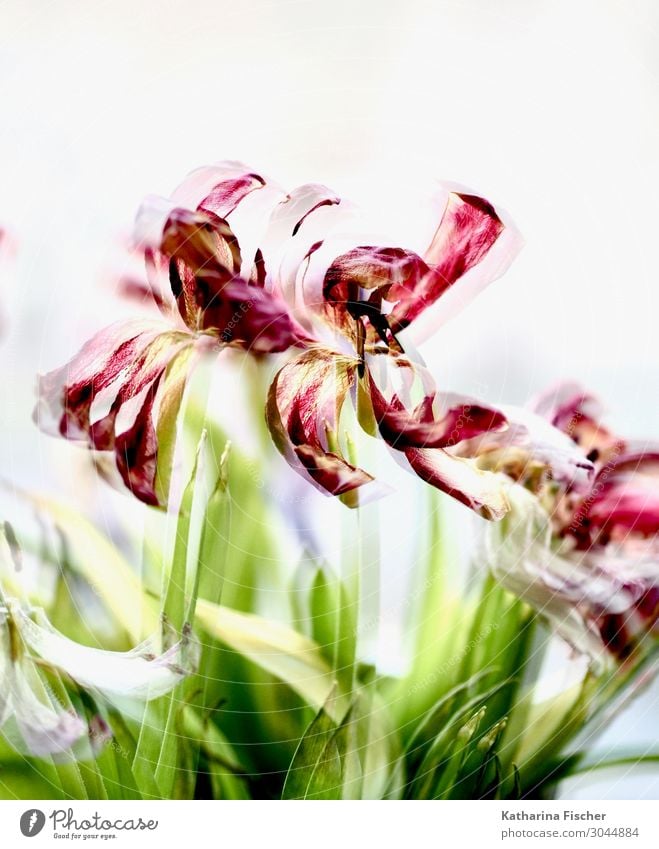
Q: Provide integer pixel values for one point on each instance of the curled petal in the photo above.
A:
(531, 451)
(194, 254)
(203, 260)
(66, 394)
(435, 420)
(303, 410)
(305, 217)
(137, 674)
(138, 382)
(29, 714)
(233, 191)
(482, 491)
(358, 283)
(472, 246)
(218, 188)
(391, 287)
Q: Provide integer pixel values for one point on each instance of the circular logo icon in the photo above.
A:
(32, 822)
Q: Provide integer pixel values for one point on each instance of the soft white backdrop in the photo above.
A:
(549, 107)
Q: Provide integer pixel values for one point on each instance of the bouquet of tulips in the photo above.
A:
(209, 646)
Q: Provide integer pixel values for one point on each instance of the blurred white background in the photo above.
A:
(547, 107)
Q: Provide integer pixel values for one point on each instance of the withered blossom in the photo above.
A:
(233, 260)
(588, 557)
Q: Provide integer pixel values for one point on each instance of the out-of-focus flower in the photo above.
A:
(29, 709)
(589, 558)
(234, 260)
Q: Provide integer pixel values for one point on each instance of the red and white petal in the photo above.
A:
(67, 393)
(245, 198)
(625, 496)
(411, 413)
(303, 412)
(307, 216)
(482, 491)
(473, 244)
(133, 381)
(218, 188)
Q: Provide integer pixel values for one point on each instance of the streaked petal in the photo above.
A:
(218, 188)
(303, 410)
(67, 393)
(247, 199)
(393, 287)
(472, 246)
(482, 491)
(432, 419)
(137, 381)
(203, 260)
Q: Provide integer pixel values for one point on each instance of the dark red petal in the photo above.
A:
(202, 255)
(136, 452)
(357, 283)
(304, 407)
(436, 421)
(251, 318)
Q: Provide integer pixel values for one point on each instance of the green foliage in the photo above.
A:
(282, 705)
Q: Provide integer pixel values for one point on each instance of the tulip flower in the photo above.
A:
(588, 558)
(235, 261)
